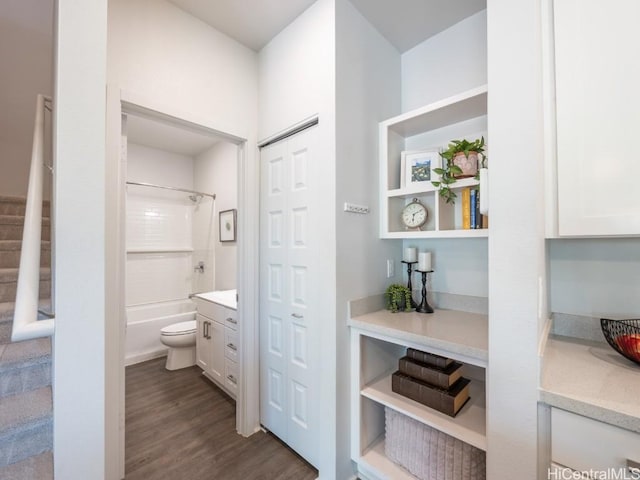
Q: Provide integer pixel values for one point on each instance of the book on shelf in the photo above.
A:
(448, 401)
(438, 377)
(429, 358)
(473, 208)
(466, 208)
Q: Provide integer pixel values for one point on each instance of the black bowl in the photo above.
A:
(623, 336)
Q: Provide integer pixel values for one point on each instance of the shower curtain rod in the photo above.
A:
(212, 195)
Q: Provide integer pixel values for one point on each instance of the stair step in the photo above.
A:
(16, 206)
(39, 467)
(10, 253)
(11, 227)
(7, 309)
(26, 423)
(9, 279)
(24, 366)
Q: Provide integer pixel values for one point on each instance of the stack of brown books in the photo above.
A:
(432, 380)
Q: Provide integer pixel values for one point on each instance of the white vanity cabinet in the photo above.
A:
(597, 95)
(217, 346)
(583, 444)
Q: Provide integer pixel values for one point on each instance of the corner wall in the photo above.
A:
(367, 92)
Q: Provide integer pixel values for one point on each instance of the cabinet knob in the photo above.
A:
(297, 315)
(231, 378)
(232, 320)
(232, 346)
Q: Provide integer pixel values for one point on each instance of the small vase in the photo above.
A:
(468, 164)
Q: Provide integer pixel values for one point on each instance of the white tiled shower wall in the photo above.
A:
(159, 231)
(167, 234)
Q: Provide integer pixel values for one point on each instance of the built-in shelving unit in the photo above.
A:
(430, 127)
(378, 340)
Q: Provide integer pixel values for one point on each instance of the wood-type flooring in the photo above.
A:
(179, 426)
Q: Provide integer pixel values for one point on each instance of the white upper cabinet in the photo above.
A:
(597, 74)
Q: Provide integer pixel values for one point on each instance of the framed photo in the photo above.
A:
(227, 225)
(418, 166)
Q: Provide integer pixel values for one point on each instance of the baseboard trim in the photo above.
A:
(143, 357)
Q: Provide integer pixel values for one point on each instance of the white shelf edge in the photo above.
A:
(477, 233)
(432, 107)
(469, 425)
(410, 192)
(375, 460)
(400, 122)
(160, 250)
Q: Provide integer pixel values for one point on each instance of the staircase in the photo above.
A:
(26, 412)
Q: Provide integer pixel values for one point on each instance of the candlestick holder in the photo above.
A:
(424, 306)
(409, 268)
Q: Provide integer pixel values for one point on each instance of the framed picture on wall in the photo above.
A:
(227, 225)
(418, 166)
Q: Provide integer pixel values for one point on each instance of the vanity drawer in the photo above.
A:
(231, 318)
(231, 377)
(583, 444)
(231, 344)
(211, 310)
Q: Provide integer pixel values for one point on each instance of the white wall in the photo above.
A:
(215, 171)
(26, 54)
(79, 368)
(448, 63)
(293, 76)
(297, 80)
(367, 92)
(166, 57)
(595, 277)
(516, 244)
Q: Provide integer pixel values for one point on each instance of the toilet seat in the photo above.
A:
(181, 328)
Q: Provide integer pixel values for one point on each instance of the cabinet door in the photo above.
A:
(289, 280)
(216, 331)
(203, 344)
(597, 64)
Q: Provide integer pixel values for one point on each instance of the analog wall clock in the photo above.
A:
(414, 214)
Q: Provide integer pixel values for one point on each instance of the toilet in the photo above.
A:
(181, 340)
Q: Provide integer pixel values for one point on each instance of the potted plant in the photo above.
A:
(461, 160)
(398, 298)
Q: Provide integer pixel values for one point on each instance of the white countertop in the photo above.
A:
(460, 335)
(226, 298)
(591, 379)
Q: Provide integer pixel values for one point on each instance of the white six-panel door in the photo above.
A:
(289, 326)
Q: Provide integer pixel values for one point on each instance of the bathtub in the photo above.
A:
(143, 327)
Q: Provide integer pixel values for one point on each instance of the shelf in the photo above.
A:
(462, 336)
(478, 233)
(160, 250)
(469, 425)
(458, 108)
(375, 459)
(409, 192)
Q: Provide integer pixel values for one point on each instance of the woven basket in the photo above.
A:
(428, 453)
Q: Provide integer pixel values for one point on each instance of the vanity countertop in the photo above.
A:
(591, 379)
(226, 298)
